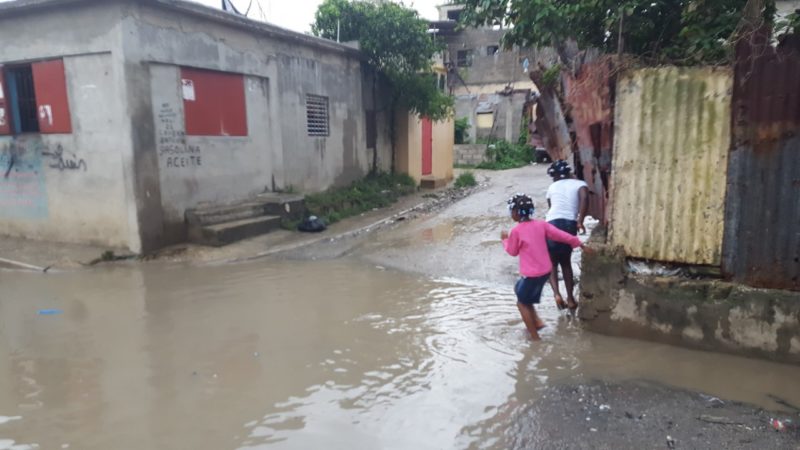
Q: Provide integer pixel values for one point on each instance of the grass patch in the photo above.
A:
(466, 179)
(464, 166)
(374, 191)
(502, 155)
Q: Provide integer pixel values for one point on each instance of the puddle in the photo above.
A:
(297, 354)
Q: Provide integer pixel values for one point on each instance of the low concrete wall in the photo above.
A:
(706, 314)
(470, 154)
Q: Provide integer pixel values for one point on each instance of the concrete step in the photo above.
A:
(289, 206)
(225, 233)
(227, 213)
(432, 183)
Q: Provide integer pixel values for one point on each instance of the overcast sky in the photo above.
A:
(297, 15)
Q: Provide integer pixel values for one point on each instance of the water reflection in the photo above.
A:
(301, 355)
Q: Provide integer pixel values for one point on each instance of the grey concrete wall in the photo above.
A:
(503, 67)
(70, 187)
(315, 163)
(188, 167)
(706, 314)
(277, 153)
(469, 154)
(507, 116)
(122, 61)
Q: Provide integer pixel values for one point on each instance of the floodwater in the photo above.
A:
(303, 354)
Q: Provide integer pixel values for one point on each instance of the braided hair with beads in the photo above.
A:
(523, 205)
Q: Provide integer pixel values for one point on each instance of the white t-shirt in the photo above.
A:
(564, 200)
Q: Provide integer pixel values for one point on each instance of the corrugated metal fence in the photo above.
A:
(762, 238)
(671, 142)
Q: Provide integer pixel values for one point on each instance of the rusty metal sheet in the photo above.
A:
(671, 144)
(762, 236)
(590, 99)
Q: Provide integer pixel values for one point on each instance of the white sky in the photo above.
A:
(298, 15)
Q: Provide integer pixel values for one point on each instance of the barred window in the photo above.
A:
(317, 115)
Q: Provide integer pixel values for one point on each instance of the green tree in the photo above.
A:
(397, 46)
(658, 31)
(655, 31)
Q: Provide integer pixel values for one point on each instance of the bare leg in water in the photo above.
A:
(554, 283)
(532, 321)
(569, 280)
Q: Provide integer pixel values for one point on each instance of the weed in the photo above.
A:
(374, 191)
(466, 179)
(289, 224)
(462, 130)
(503, 155)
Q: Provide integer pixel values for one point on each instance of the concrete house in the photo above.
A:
(119, 116)
(491, 85)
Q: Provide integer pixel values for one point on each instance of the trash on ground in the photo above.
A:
(670, 442)
(778, 425)
(657, 269)
(312, 224)
(718, 420)
(605, 408)
(49, 312)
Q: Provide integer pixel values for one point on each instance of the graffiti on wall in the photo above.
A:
(22, 185)
(173, 151)
(61, 161)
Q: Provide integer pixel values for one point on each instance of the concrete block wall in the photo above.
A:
(470, 154)
(70, 187)
(110, 182)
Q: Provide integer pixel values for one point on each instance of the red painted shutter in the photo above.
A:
(5, 113)
(52, 104)
(213, 103)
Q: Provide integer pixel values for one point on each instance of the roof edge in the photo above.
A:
(199, 11)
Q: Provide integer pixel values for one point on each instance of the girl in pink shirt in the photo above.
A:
(528, 240)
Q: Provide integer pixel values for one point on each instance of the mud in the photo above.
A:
(352, 353)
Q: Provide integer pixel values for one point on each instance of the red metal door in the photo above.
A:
(427, 146)
(52, 103)
(5, 114)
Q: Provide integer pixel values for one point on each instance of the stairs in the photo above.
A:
(225, 224)
(429, 182)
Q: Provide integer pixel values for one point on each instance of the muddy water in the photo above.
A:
(302, 355)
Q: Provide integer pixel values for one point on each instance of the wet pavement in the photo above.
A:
(404, 339)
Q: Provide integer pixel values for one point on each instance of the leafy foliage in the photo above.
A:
(461, 130)
(661, 31)
(396, 43)
(465, 180)
(503, 155)
(788, 25)
(375, 191)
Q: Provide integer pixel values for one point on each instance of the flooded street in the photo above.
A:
(346, 353)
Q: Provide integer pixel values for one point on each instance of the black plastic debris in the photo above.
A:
(312, 224)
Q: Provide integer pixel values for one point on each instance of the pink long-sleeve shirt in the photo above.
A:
(528, 240)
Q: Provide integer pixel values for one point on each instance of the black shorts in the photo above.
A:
(529, 290)
(559, 250)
